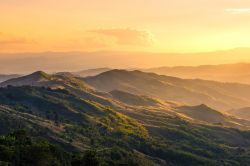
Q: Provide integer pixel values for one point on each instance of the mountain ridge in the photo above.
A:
(5, 77)
(111, 98)
(186, 91)
(237, 72)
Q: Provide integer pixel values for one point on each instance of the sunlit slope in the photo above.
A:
(196, 114)
(134, 100)
(41, 78)
(58, 81)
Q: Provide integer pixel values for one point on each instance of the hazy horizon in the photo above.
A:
(51, 61)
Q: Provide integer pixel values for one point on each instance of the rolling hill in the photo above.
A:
(125, 99)
(222, 96)
(205, 114)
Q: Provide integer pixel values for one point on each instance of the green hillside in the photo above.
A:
(116, 128)
(77, 125)
(67, 120)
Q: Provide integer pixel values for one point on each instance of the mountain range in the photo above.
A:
(222, 96)
(127, 118)
(238, 72)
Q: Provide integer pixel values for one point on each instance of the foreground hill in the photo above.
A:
(119, 137)
(187, 91)
(67, 120)
(225, 73)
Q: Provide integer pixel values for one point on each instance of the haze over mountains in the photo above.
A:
(4, 77)
(238, 72)
(91, 72)
(118, 92)
(140, 89)
(76, 61)
(188, 91)
(218, 95)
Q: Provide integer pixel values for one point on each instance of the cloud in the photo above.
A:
(238, 10)
(127, 36)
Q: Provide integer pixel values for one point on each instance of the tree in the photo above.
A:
(88, 159)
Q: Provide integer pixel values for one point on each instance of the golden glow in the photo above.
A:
(141, 25)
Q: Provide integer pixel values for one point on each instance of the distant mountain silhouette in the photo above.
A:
(238, 72)
(243, 113)
(74, 61)
(4, 77)
(91, 72)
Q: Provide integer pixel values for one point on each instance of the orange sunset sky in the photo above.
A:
(150, 30)
(134, 25)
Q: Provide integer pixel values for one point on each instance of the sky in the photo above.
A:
(152, 26)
